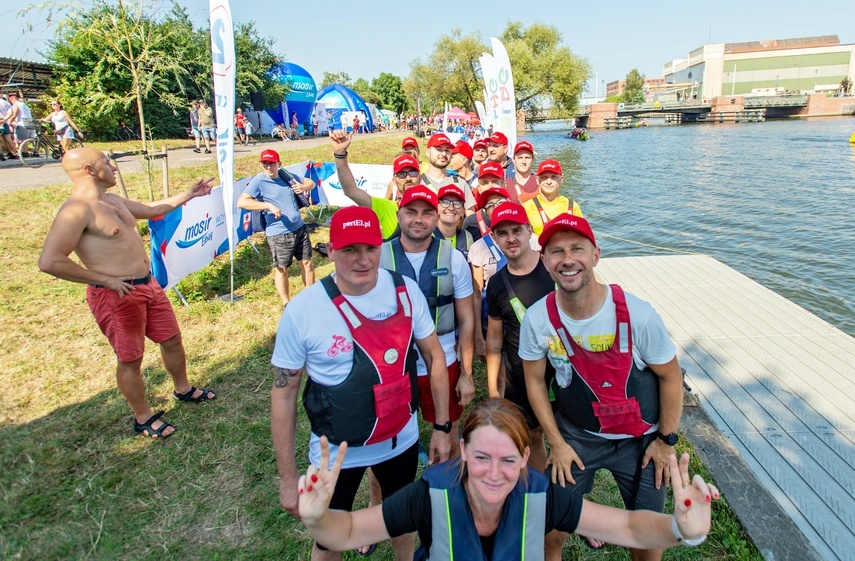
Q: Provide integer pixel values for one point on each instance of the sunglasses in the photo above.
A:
(405, 174)
(494, 204)
(445, 203)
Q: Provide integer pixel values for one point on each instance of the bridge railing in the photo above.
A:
(776, 101)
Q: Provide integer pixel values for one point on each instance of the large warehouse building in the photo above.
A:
(808, 64)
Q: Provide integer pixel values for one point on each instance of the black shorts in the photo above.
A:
(393, 475)
(293, 245)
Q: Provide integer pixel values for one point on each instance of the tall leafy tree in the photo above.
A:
(390, 88)
(548, 77)
(633, 90)
(120, 58)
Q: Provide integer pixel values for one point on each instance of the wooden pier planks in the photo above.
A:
(778, 381)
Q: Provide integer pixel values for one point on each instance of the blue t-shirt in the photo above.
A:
(276, 191)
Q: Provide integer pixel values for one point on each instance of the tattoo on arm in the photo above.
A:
(283, 376)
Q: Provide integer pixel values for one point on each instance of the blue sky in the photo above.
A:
(367, 38)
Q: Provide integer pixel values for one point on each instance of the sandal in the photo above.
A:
(149, 431)
(206, 395)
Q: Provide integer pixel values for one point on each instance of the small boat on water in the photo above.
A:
(852, 138)
(579, 133)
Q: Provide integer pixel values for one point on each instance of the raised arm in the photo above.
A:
(340, 141)
(283, 427)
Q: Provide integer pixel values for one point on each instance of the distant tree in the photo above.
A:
(390, 88)
(846, 85)
(451, 72)
(331, 78)
(633, 91)
(546, 74)
(117, 59)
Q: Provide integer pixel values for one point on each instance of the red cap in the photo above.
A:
(404, 161)
(439, 139)
(566, 222)
(508, 212)
(484, 196)
(418, 193)
(549, 166)
(269, 156)
(523, 145)
(352, 225)
(462, 147)
(409, 141)
(480, 143)
(451, 190)
(491, 169)
(498, 138)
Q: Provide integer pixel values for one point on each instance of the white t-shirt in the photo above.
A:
(5, 108)
(651, 343)
(462, 288)
(23, 113)
(312, 333)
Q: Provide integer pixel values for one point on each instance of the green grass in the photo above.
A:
(76, 483)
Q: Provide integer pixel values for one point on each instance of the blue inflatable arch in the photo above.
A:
(343, 98)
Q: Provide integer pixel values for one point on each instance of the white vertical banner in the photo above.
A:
(223, 59)
(488, 72)
(504, 90)
(482, 113)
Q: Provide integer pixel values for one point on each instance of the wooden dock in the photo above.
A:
(776, 380)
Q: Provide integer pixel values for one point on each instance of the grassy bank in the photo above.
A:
(77, 484)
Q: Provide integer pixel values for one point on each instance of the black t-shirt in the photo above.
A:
(529, 289)
(409, 510)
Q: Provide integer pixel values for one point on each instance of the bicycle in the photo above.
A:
(124, 132)
(43, 146)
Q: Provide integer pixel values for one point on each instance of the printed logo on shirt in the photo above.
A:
(339, 345)
(596, 343)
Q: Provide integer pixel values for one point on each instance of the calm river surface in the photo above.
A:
(773, 200)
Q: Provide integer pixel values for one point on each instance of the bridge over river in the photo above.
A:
(719, 108)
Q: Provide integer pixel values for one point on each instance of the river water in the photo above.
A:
(773, 200)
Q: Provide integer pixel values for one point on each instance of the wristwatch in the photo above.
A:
(445, 427)
(669, 439)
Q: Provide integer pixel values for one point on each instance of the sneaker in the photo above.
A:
(207, 151)
(197, 150)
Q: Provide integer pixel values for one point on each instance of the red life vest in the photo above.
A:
(380, 394)
(608, 393)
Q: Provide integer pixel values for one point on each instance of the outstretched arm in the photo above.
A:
(336, 528)
(340, 141)
(642, 529)
(139, 210)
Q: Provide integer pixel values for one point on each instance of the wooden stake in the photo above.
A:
(165, 172)
(118, 174)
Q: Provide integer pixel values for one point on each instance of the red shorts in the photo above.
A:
(426, 397)
(127, 321)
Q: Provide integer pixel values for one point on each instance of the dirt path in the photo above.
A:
(14, 176)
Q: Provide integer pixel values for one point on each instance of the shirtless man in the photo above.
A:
(127, 302)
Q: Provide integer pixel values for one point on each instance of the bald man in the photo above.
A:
(127, 302)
